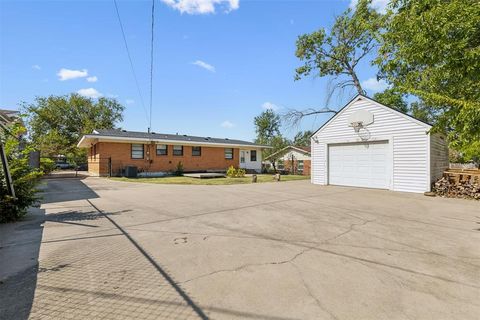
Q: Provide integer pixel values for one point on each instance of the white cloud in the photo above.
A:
(68, 74)
(202, 6)
(227, 124)
(92, 79)
(89, 93)
(378, 5)
(129, 101)
(374, 85)
(270, 106)
(204, 65)
(36, 67)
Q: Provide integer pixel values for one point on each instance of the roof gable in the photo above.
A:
(362, 97)
(303, 150)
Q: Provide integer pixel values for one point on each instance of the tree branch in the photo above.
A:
(294, 117)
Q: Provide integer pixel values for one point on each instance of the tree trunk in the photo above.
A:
(355, 80)
(274, 166)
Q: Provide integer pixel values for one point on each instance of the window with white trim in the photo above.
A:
(253, 155)
(228, 153)
(196, 151)
(178, 150)
(137, 151)
(300, 165)
(162, 149)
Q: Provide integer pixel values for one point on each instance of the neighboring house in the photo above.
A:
(391, 150)
(294, 159)
(8, 116)
(110, 151)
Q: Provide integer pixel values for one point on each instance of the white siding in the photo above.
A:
(252, 165)
(408, 142)
(438, 156)
(296, 155)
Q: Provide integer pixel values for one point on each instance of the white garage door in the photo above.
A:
(359, 164)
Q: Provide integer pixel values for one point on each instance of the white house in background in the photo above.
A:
(295, 159)
(367, 144)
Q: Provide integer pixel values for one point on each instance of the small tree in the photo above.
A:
(277, 143)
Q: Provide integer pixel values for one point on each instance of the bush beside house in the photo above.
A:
(25, 178)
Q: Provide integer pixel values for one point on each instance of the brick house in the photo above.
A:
(110, 151)
(293, 159)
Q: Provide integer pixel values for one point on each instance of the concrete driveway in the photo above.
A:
(292, 250)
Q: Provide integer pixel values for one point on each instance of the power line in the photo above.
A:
(151, 65)
(131, 62)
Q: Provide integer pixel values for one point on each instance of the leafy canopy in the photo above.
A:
(302, 138)
(337, 53)
(392, 98)
(431, 49)
(56, 123)
(24, 177)
(267, 126)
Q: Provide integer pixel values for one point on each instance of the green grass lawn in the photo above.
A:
(215, 181)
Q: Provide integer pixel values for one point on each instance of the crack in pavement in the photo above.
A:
(245, 266)
(350, 229)
(310, 293)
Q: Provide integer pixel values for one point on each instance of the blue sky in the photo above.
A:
(216, 65)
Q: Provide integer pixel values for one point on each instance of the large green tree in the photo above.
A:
(392, 98)
(338, 52)
(302, 138)
(56, 123)
(431, 49)
(267, 126)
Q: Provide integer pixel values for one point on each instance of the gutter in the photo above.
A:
(166, 141)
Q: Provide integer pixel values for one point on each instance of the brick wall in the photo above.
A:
(306, 166)
(212, 158)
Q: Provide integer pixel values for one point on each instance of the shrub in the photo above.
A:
(24, 177)
(47, 165)
(235, 173)
(179, 169)
(240, 173)
(231, 171)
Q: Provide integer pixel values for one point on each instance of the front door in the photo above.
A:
(242, 159)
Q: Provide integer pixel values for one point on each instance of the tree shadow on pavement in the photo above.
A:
(66, 189)
(19, 251)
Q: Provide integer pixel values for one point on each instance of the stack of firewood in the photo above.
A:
(451, 188)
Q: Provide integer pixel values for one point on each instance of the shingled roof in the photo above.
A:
(159, 137)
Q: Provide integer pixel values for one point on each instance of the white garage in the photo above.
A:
(367, 144)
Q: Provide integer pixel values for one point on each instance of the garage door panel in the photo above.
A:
(359, 165)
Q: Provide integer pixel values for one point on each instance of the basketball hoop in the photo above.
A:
(359, 121)
(357, 125)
